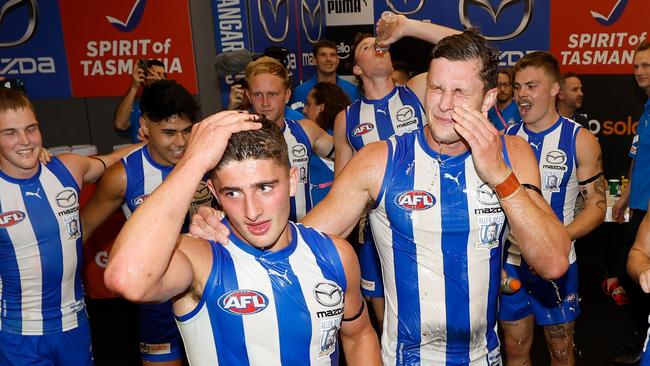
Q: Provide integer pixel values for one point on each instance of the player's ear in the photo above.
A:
(293, 181)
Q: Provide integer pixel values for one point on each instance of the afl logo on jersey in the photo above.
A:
(363, 129)
(138, 200)
(243, 302)
(11, 218)
(415, 200)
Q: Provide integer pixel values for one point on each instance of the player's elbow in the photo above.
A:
(119, 279)
(556, 268)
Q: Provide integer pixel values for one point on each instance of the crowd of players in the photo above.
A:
(461, 178)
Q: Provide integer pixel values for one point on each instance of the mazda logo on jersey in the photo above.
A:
(363, 129)
(299, 150)
(202, 191)
(32, 21)
(486, 195)
(314, 15)
(243, 302)
(487, 6)
(415, 200)
(11, 218)
(557, 157)
(66, 198)
(328, 294)
(405, 113)
(274, 16)
(414, 6)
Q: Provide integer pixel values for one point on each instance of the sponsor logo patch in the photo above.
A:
(363, 129)
(415, 200)
(243, 302)
(11, 218)
(66, 198)
(328, 294)
(155, 349)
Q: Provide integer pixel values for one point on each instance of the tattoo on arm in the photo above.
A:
(599, 188)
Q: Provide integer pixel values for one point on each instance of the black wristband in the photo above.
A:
(357, 315)
(532, 188)
(100, 160)
(329, 154)
(589, 180)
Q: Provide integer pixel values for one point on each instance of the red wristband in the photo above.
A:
(508, 186)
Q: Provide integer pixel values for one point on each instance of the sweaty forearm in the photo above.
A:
(543, 240)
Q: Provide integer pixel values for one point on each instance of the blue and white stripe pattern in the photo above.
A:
(300, 152)
(269, 308)
(40, 252)
(143, 175)
(373, 120)
(555, 150)
(439, 231)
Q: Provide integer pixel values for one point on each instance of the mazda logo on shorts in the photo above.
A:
(485, 4)
(314, 16)
(413, 6)
(274, 16)
(328, 294)
(32, 20)
(66, 198)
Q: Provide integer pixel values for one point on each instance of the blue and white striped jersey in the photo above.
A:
(269, 308)
(143, 175)
(40, 252)
(439, 231)
(373, 120)
(555, 150)
(300, 152)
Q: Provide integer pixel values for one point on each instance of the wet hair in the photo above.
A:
(507, 70)
(14, 100)
(470, 45)
(267, 65)
(163, 99)
(567, 75)
(335, 100)
(323, 43)
(643, 46)
(540, 59)
(267, 143)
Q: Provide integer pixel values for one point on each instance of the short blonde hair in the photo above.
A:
(267, 65)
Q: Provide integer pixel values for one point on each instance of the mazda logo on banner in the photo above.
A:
(485, 4)
(32, 20)
(274, 32)
(315, 16)
(418, 6)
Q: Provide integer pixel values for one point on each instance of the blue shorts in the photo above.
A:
(372, 282)
(160, 339)
(541, 297)
(72, 347)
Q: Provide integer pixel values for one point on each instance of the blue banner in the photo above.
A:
(516, 27)
(32, 48)
(259, 24)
